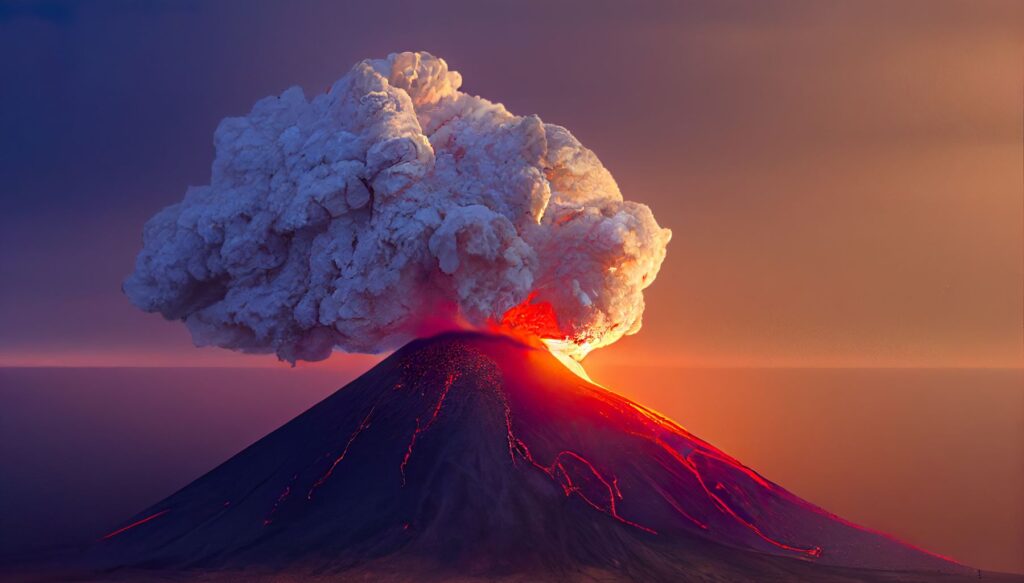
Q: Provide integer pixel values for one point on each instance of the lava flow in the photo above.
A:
(538, 320)
(658, 424)
(139, 522)
(348, 445)
(559, 472)
(421, 427)
(490, 453)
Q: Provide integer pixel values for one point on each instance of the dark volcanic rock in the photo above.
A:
(475, 456)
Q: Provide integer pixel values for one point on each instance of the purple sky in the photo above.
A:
(843, 179)
(844, 183)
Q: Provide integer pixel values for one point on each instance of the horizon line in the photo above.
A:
(326, 367)
(349, 361)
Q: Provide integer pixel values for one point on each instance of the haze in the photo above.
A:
(844, 182)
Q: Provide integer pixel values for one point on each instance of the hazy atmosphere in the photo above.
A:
(844, 184)
(843, 291)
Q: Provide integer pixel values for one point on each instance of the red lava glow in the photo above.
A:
(136, 523)
(280, 500)
(421, 427)
(560, 472)
(362, 426)
(657, 423)
(530, 320)
(709, 489)
(573, 472)
(721, 504)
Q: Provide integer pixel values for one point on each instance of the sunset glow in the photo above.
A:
(776, 251)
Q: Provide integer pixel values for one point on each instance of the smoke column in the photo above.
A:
(355, 218)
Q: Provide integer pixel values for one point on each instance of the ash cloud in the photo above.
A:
(350, 219)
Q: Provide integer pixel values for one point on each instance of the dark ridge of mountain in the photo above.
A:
(470, 456)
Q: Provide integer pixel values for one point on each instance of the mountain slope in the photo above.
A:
(477, 455)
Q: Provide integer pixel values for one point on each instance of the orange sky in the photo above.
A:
(844, 180)
(860, 200)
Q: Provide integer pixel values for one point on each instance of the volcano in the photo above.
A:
(469, 455)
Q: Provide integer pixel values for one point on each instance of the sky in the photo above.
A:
(844, 182)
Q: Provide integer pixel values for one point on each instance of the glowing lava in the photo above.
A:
(421, 427)
(535, 324)
(655, 425)
(486, 449)
(285, 494)
(532, 318)
(348, 445)
(574, 473)
(560, 473)
(136, 523)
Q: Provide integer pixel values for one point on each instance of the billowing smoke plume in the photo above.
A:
(394, 199)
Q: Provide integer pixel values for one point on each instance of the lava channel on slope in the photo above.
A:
(545, 431)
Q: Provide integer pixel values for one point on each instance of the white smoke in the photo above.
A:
(350, 219)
